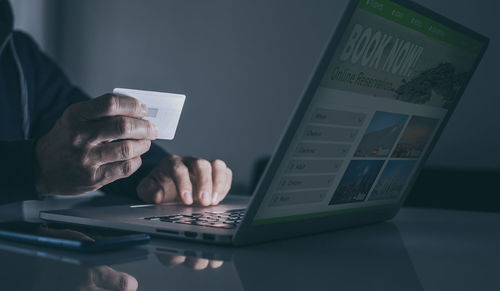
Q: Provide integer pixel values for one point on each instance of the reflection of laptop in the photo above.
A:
(384, 89)
(368, 258)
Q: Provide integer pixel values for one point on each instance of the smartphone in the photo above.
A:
(71, 237)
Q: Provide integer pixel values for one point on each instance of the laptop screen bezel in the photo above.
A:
(309, 93)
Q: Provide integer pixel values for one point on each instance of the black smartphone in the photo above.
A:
(72, 237)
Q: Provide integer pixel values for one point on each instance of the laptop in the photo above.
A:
(375, 105)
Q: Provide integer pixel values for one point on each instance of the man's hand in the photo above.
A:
(94, 143)
(62, 276)
(188, 178)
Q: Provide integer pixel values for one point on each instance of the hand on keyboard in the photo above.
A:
(188, 178)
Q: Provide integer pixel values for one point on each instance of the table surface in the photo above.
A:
(421, 249)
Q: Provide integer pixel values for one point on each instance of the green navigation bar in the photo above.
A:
(406, 17)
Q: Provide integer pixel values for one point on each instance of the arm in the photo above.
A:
(78, 144)
(59, 93)
(50, 94)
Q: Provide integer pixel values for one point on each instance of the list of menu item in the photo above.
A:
(300, 197)
(313, 166)
(308, 149)
(320, 153)
(331, 134)
(338, 117)
(306, 182)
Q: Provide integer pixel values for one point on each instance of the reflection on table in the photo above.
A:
(420, 249)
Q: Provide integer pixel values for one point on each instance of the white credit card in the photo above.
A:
(164, 109)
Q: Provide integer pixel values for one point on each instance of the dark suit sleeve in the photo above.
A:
(50, 94)
(17, 179)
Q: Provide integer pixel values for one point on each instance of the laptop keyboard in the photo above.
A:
(221, 219)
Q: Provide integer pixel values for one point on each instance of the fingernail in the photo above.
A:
(158, 197)
(187, 197)
(215, 197)
(155, 129)
(205, 196)
(144, 109)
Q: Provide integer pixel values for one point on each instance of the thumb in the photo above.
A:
(149, 190)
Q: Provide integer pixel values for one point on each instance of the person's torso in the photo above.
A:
(10, 101)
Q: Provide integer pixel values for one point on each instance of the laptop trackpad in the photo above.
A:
(230, 203)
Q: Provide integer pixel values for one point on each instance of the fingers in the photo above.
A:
(167, 182)
(108, 173)
(227, 186)
(180, 175)
(79, 153)
(212, 179)
(121, 127)
(118, 151)
(202, 176)
(171, 261)
(109, 105)
(187, 178)
(219, 177)
(197, 264)
(175, 169)
(150, 190)
(215, 264)
(110, 279)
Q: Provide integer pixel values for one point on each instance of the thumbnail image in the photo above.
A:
(392, 180)
(381, 134)
(415, 137)
(357, 181)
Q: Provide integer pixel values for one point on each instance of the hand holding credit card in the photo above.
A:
(164, 109)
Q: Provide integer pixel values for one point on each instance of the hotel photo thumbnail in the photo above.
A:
(415, 137)
(393, 179)
(357, 181)
(381, 134)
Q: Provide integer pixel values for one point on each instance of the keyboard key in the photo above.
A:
(227, 219)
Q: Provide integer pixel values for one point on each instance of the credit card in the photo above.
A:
(164, 109)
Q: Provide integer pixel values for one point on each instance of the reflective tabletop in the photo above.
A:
(421, 249)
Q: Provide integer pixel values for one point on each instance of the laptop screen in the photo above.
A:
(394, 76)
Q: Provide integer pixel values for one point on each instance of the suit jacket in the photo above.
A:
(34, 93)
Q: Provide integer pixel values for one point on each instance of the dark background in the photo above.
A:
(243, 66)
